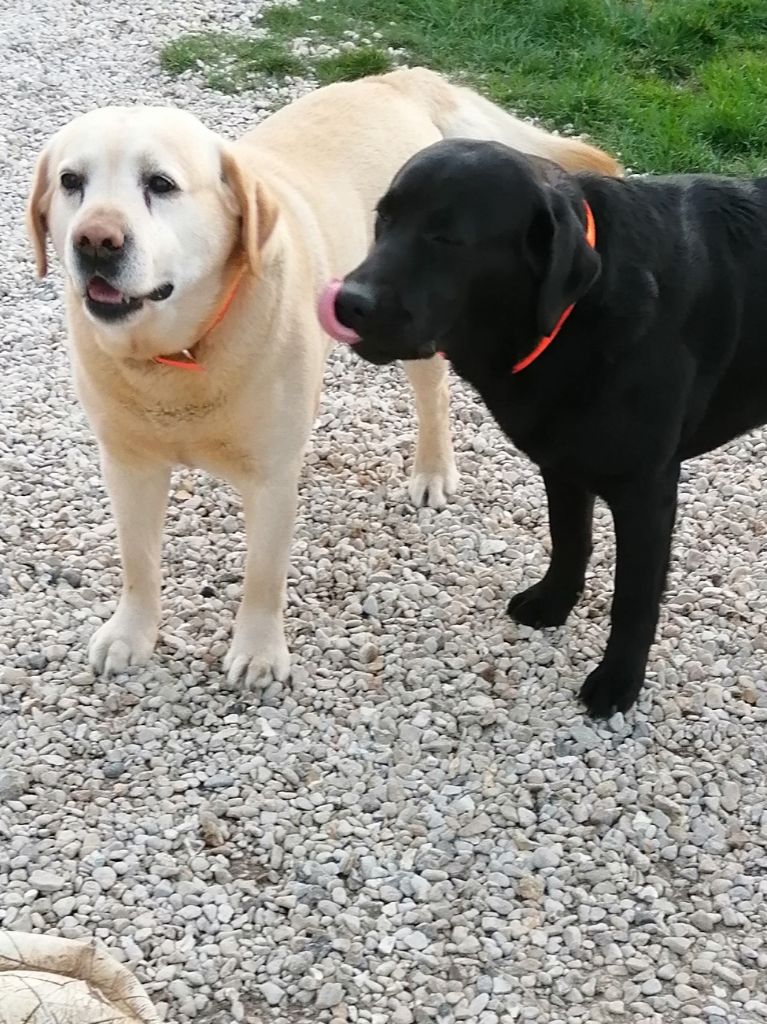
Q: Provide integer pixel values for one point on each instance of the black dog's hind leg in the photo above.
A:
(643, 514)
(550, 601)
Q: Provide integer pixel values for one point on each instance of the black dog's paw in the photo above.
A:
(609, 689)
(540, 606)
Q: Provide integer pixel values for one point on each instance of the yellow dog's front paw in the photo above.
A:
(257, 656)
(431, 486)
(128, 638)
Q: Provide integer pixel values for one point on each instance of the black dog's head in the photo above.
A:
(468, 231)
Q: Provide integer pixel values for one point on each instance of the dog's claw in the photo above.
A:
(255, 660)
(540, 606)
(607, 690)
(432, 488)
(120, 642)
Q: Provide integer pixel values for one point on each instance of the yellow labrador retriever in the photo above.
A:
(193, 267)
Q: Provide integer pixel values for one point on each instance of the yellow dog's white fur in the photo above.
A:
(294, 198)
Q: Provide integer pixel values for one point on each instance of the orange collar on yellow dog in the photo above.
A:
(185, 359)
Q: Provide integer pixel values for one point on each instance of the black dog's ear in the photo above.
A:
(560, 252)
(546, 171)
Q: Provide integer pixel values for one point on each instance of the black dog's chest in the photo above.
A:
(582, 446)
(597, 429)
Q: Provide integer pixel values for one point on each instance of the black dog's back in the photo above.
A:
(666, 355)
(688, 256)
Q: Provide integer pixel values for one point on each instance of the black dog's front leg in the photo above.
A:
(644, 521)
(550, 601)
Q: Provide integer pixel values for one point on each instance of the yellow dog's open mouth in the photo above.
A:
(108, 303)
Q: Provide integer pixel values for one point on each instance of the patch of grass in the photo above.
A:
(288, 21)
(671, 85)
(231, 62)
(189, 51)
(350, 64)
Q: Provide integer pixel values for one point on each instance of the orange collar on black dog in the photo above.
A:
(543, 344)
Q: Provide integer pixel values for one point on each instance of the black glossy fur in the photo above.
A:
(479, 249)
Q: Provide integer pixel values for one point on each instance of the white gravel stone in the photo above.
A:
(105, 876)
(420, 825)
(13, 784)
(47, 881)
(272, 993)
(330, 994)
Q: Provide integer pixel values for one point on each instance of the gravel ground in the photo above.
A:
(421, 825)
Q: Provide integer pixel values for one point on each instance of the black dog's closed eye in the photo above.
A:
(441, 239)
(383, 220)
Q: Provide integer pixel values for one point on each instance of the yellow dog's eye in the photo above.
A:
(70, 181)
(161, 184)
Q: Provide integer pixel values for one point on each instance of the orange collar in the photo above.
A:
(185, 360)
(543, 344)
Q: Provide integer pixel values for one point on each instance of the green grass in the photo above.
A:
(351, 64)
(671, 85)
(231, 62)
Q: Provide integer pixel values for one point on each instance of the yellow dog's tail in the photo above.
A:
(459, 112)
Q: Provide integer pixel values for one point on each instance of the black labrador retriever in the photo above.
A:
(613, 327)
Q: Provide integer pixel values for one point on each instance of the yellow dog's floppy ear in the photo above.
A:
(258, 208)
(37, 211)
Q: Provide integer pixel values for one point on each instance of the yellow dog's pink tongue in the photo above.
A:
(100, 291)
(326, 311)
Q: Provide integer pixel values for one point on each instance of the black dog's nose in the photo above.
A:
(354, 304)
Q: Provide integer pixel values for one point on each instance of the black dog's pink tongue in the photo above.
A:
(326, 311)
(100, 291)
